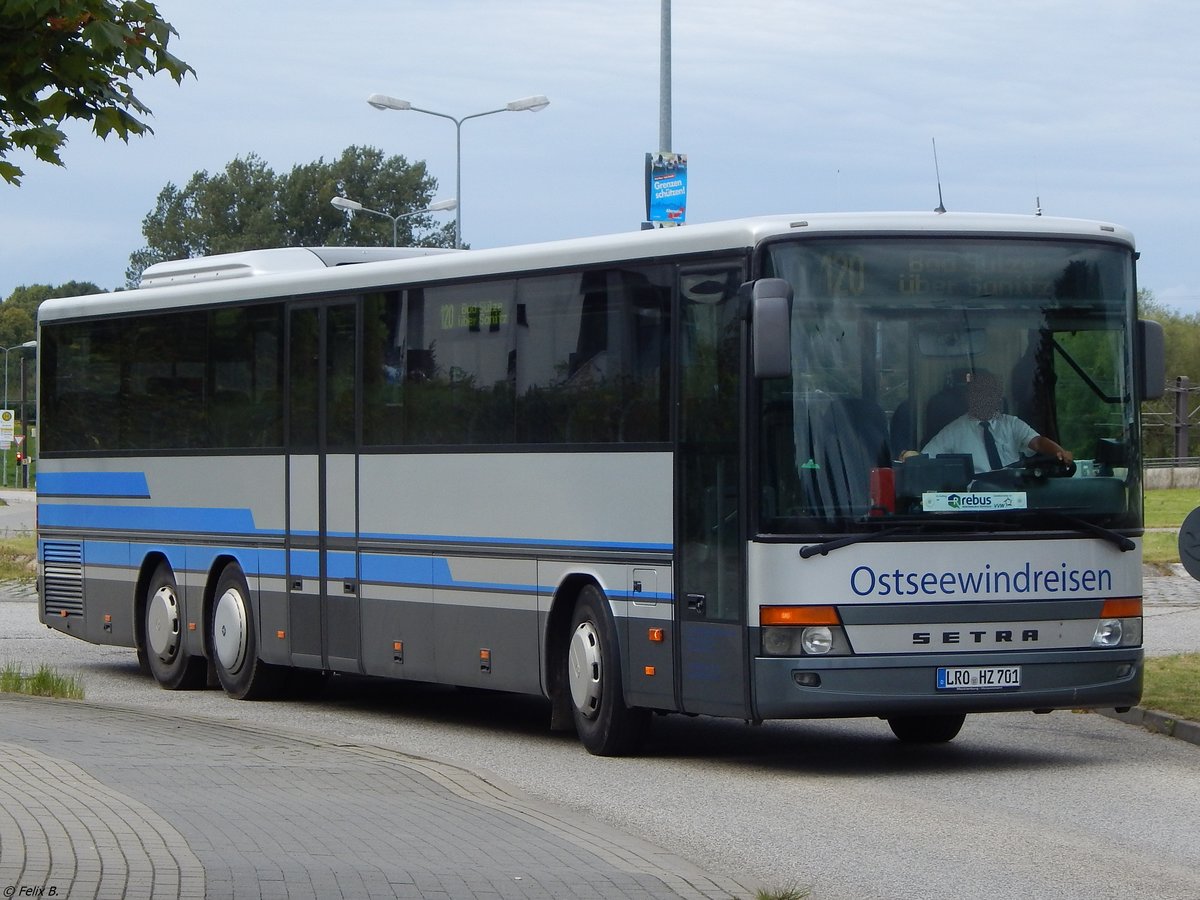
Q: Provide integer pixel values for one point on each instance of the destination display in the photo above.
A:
(1001, 270)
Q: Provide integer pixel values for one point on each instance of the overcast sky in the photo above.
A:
(782, 106)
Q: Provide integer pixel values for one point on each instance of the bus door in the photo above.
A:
(710, 605)
(322, 539)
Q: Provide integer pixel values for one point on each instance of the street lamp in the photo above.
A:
(532, 104)
(28, 345)
(354, 206)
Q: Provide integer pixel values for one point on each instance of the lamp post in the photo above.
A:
(28, 345)
(354, 206)
(532, 104)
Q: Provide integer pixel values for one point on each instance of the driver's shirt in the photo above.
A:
(965, 435)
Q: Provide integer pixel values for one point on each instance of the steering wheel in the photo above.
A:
(1040, 466)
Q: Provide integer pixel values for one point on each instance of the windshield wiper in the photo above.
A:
(1120, 541)
(839, 543)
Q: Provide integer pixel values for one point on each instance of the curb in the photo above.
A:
(1157, 722)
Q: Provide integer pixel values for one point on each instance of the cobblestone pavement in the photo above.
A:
(1172, 613)
(87, 792)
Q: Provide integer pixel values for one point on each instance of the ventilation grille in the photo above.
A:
(62, 578)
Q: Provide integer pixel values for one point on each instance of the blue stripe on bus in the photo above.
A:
(149, 518)
(93, 484)
(388, 569)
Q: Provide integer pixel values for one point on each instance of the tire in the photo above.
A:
(234, 641)
(605, 725)
(927, 729)
(164, 651)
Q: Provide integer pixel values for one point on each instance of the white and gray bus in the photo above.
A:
(655, 472)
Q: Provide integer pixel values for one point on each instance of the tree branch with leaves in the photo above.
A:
(75, 59)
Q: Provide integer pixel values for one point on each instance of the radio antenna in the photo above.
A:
(941, 207)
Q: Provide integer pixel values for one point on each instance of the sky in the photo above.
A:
(1090, 107)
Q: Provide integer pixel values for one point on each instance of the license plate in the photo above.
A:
(979, 678)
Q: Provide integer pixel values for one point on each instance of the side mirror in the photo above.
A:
(1152, 359)
(770, 327)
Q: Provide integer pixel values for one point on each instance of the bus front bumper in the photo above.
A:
(823, 687)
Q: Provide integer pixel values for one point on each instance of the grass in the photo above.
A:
(1166, 508)
(1172, 685)
(788, 893)
(45, 682)
(18, 558)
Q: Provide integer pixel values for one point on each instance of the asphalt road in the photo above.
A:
(1060, 806)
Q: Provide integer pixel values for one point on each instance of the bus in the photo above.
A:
(671, 471)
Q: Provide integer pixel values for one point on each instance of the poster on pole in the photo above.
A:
(666, 188)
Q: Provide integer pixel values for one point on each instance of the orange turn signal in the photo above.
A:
(1121, 608)
(655, 635)
(798, 615)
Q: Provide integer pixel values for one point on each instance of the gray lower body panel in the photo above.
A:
(907, 685)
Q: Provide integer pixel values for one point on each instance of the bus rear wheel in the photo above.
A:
(605, 725)
(164, 651)
(235, 641)
(927, 729)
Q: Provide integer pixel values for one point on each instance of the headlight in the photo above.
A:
(812, 640)
(1108, 633)
(1118, 633)
(817, 640)
(778, 641)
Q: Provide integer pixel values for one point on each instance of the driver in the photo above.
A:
(1009, 436)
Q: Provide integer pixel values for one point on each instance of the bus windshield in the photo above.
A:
(891, 337)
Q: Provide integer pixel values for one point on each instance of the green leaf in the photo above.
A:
(75, 59)
(10, 173)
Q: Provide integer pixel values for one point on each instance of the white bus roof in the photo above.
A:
(262, 274)
(251, 263)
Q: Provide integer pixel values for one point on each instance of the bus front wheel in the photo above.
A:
(235, 641)
(164, 652)
(605, 725)
(936, 729)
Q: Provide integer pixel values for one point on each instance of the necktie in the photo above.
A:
(989, 444)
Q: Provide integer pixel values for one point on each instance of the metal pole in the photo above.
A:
(4, 453)
(458, 183)
(1182, 383)
(18, 481)
(664, 80)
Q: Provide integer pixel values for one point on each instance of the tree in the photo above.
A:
(74, 59)
(248, 206)
(1181, 335)
(18, 313)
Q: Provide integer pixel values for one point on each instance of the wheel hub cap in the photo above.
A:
(229, 630)
(162, 624)
(584, 669)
